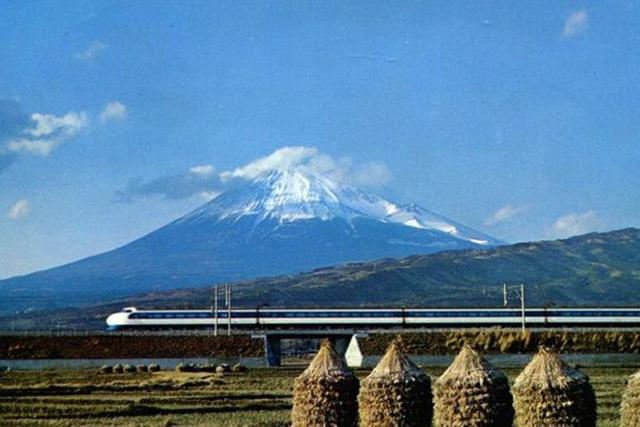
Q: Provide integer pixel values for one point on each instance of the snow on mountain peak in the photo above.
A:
(298, 192)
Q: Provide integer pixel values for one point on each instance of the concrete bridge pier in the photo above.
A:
(273, 350)
(341, 343)
(345, 343)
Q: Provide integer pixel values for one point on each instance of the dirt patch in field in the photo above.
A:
(127, 346)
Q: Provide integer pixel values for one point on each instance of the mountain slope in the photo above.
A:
(593, 270)
(280, 222)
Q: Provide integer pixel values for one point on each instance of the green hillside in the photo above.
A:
(594, 269)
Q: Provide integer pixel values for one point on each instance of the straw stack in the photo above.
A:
(326, 393)
(472, 393)
(396, 393)
(630, 408)
(550, 393)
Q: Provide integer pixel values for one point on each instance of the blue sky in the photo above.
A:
(518, 119)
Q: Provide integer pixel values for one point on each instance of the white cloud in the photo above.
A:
(204, 181)
(209, 195)
(372, 174)
(281, 159)
(199, 181)
(202, 170)
(311, 159)
(92, 51)
(574, 224)
(49, 132)
(20, 209)
(505, 213)
(576, 23)
(113, 111)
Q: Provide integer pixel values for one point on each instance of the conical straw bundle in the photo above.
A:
(396, 393)
(472, 393)
(326, 393)
(550, 393)
(630, 408)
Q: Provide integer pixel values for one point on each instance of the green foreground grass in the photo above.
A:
(261, 397)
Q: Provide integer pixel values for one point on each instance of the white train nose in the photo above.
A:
(117, 319)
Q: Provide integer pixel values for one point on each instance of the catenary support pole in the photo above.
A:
(215, 313)
(229, 313)
(504, 295)
(524, 325)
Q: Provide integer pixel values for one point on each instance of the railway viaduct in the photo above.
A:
(345, 341)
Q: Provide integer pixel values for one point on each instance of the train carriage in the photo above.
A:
(315, 318)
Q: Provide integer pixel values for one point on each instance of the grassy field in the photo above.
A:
(261, 397)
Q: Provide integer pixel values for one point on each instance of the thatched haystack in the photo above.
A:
(472, 393)
(326, 393)
(396, 393)
(630, 408)
(550, 393)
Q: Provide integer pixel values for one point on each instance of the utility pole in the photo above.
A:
(520, 294)
(215, 313)
(504, 294)
(228, 310)
(524, 325)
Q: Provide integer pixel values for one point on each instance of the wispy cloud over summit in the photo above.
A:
(206, 182)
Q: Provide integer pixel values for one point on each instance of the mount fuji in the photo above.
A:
(281, 221)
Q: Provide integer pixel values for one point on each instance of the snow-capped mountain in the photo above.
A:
(278, 222)
(298, 194)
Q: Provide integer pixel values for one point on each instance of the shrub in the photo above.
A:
(239, 368)
(186, 367)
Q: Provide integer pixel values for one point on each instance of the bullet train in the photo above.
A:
(328, 318)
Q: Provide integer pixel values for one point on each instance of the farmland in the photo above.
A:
(260, 397)
(100, 345)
